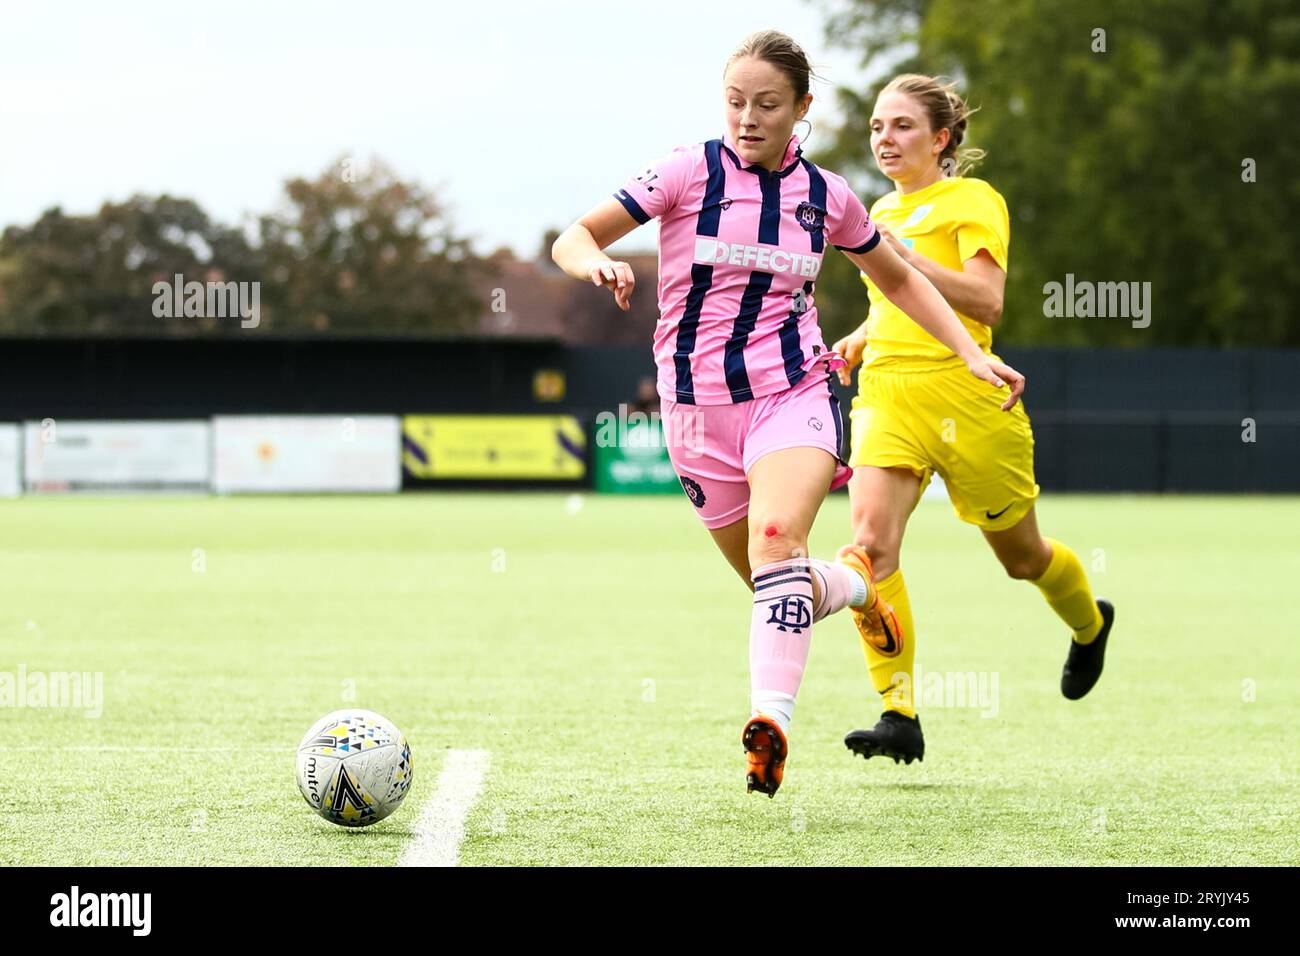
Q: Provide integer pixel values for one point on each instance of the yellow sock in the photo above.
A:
(1065, 586)
(892, 676)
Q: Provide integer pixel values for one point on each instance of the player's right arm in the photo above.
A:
(578, 250)
(650, 194)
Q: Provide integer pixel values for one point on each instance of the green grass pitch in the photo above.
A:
(600, 654)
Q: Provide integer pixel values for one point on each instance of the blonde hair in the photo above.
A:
(946, 110)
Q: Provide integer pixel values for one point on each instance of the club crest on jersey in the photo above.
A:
(693, 491)
(790, 614)
(811, 218)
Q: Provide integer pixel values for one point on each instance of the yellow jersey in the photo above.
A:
(948, 221)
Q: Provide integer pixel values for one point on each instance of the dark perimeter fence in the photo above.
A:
(1104, 419)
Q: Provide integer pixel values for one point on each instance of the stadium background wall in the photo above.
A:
(1105, 419)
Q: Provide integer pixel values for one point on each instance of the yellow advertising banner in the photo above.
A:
(494, 446)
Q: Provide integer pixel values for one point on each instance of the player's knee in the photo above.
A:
(1022, 567)
(772, 540)
(1027, 563)
(881, 548)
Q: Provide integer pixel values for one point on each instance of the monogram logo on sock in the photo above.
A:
(790, 613)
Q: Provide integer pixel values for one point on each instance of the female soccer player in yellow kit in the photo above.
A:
(918, 411)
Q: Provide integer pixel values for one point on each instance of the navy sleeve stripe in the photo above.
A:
(866, 247)
(632, 206)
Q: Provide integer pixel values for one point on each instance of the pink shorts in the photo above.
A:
(712, 447)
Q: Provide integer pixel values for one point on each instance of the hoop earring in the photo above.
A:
(804, 139)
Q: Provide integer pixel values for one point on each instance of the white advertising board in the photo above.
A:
(11, 475)
(76, 455)
(306, 453)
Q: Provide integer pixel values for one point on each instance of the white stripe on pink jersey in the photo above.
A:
(740, 248)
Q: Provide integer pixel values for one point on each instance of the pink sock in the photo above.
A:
(780, 630)
(840, 587)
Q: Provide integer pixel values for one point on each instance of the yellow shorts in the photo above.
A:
(946, 420)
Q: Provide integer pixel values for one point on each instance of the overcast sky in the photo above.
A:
(521, 115)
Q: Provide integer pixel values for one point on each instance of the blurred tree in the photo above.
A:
(1122, 154)
(366, 252)
(95, 274)
(359, 254)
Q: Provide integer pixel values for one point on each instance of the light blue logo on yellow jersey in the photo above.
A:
(765, 258)
(919, 213)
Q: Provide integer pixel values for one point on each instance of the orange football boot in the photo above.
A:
(876, 621)
(766, 749)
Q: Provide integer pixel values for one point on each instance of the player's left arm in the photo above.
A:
(975, 290)
(850, 229)
(916, 296)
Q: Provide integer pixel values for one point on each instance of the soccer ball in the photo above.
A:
(354, 767)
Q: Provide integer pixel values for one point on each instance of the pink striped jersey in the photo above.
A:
(739, 252)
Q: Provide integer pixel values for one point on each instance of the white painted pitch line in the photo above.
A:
(440, 830)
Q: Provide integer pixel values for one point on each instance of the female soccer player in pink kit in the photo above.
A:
(753, 429)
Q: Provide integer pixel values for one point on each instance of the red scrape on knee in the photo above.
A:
(770, 531)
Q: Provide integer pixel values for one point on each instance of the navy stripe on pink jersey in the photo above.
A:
(740, 248)
(751, 303)
(788, 333)
(816, 196)
(706, 224)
